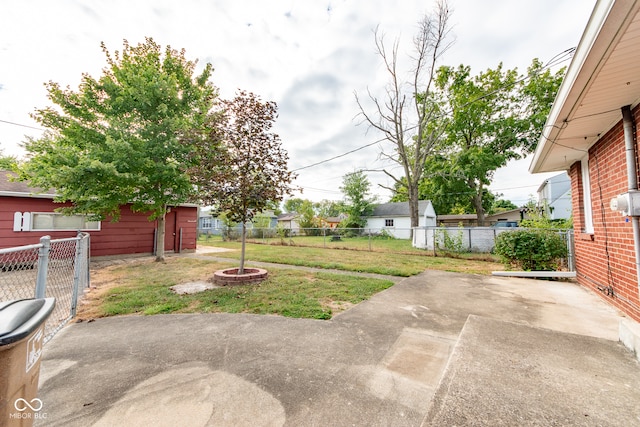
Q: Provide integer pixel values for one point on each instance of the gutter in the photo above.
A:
(632, 179)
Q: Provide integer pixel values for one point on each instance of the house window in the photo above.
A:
(388, 223)
(50, 221)
(206, 222)
(586, 195)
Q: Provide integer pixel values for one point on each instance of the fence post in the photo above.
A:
(77, 269)
(43, 266)
(87, 253)
(571, 261)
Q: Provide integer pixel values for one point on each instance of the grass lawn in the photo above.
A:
(382, 262)
(142, 286)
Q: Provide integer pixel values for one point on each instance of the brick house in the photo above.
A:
(592, 133)
(27, 214)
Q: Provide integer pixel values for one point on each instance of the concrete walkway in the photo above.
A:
(437, 349)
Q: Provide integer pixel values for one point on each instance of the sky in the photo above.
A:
(310, 57)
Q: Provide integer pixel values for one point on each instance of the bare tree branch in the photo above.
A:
(413, 131)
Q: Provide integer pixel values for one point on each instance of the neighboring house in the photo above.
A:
(592, 133)
(395, 218)
(210, 223)
(333, 222)
(26, 215)
(455, 220)
(471, 220)
(554, 197)
(511, 215)
(289, 221)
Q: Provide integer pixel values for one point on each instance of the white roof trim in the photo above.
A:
(29, 195)
(607, 24)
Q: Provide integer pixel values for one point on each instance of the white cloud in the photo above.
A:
(309, 57)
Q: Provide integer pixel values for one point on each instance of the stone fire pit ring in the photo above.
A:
(230, 276)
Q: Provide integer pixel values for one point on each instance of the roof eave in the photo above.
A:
(27, 195)
(596, 44)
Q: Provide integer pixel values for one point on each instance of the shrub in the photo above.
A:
(282, 233)
(452, 242)
(531, 250)
(382, 235)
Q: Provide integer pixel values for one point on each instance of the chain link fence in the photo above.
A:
(364, 239)
(480, 240)
(52, 268)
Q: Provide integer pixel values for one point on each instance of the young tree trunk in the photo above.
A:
(244, 241)
(160, 238)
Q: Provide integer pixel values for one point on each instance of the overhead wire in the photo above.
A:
(21, 125)
(555, 60)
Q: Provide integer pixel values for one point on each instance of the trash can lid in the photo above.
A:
(21, 317)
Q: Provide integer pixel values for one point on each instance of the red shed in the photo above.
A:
(26, 214)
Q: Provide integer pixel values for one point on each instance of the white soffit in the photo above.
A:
(604, 76)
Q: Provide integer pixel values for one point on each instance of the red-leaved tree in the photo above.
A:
(243, 166)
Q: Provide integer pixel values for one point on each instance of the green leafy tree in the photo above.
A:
(274, 206)
(249, 172)
(329, 208)
(501, 205)
(448, 196)
(358, 202)
(8, 162)
(308, 219)
(261, 221)
(495, 116)
(539, 220)
(293, 204)
(118, 139)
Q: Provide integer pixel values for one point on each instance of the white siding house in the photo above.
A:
(554, 197)
(289, 221)
(395, 219)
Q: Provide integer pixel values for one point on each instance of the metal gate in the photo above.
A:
(52, 268)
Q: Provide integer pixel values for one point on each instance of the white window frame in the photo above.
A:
(87, 224)
(586, 195)
(207, 223)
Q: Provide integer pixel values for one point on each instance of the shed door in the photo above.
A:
(170, 231)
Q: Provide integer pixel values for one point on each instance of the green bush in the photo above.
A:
(531, 250)
(453, 243)
(382, 235)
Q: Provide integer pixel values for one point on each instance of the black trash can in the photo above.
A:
(21, 338)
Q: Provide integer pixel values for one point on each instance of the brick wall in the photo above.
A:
(605, 259)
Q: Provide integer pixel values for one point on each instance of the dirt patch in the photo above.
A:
(193, 287)
(337, 306)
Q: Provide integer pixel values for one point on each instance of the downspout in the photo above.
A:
(632, 179)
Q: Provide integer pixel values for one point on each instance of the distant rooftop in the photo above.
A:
(8, 187)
